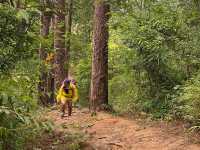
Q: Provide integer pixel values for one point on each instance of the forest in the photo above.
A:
(135, 58)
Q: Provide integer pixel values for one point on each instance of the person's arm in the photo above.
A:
(75, 93)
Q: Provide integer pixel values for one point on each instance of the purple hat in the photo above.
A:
(66, 81)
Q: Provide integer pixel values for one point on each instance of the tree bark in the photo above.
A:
(68, 29)
(99, 79)
(60, 68)
(42, 86)
(51, 74)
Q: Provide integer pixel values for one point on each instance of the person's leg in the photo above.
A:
(63, 108)
(69, 103)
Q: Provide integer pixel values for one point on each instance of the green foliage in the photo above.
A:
(155, 52)
(19, 77)
(18, 124)
(81, 49)
(188, 98)
(82, 75)
(15, 40)
(124, 97)
(17, 103)
(153, 61)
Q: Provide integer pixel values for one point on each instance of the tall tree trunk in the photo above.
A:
(51, 77)
(42, 87)
(68, 29)
(99, 80)
(51, 81)
(60, 67)
(21, 26)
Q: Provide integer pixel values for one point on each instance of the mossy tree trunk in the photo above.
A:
(44, 32)
(99, 79)
(68, 29)
(60, 64)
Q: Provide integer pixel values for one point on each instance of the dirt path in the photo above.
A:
(107, 132)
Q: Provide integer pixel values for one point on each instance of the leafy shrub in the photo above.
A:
(19, 113)
(123, 93)
(18, 124)
(15, 41)
(82, 75)
(189, 100)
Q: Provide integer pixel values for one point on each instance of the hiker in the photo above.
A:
(66, 94)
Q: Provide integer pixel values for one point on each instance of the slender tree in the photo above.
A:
(44, 32)
(99, 80)
(59, 43)
(51, 77)
(68, 28)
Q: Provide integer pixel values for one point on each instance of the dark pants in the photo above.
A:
(68, 106)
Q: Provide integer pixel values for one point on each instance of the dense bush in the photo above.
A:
(154, 54)
(18, 124)
(189, 100)
(19, 113)
(16, 42)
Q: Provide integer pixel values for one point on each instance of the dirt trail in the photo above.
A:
(107, 132)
